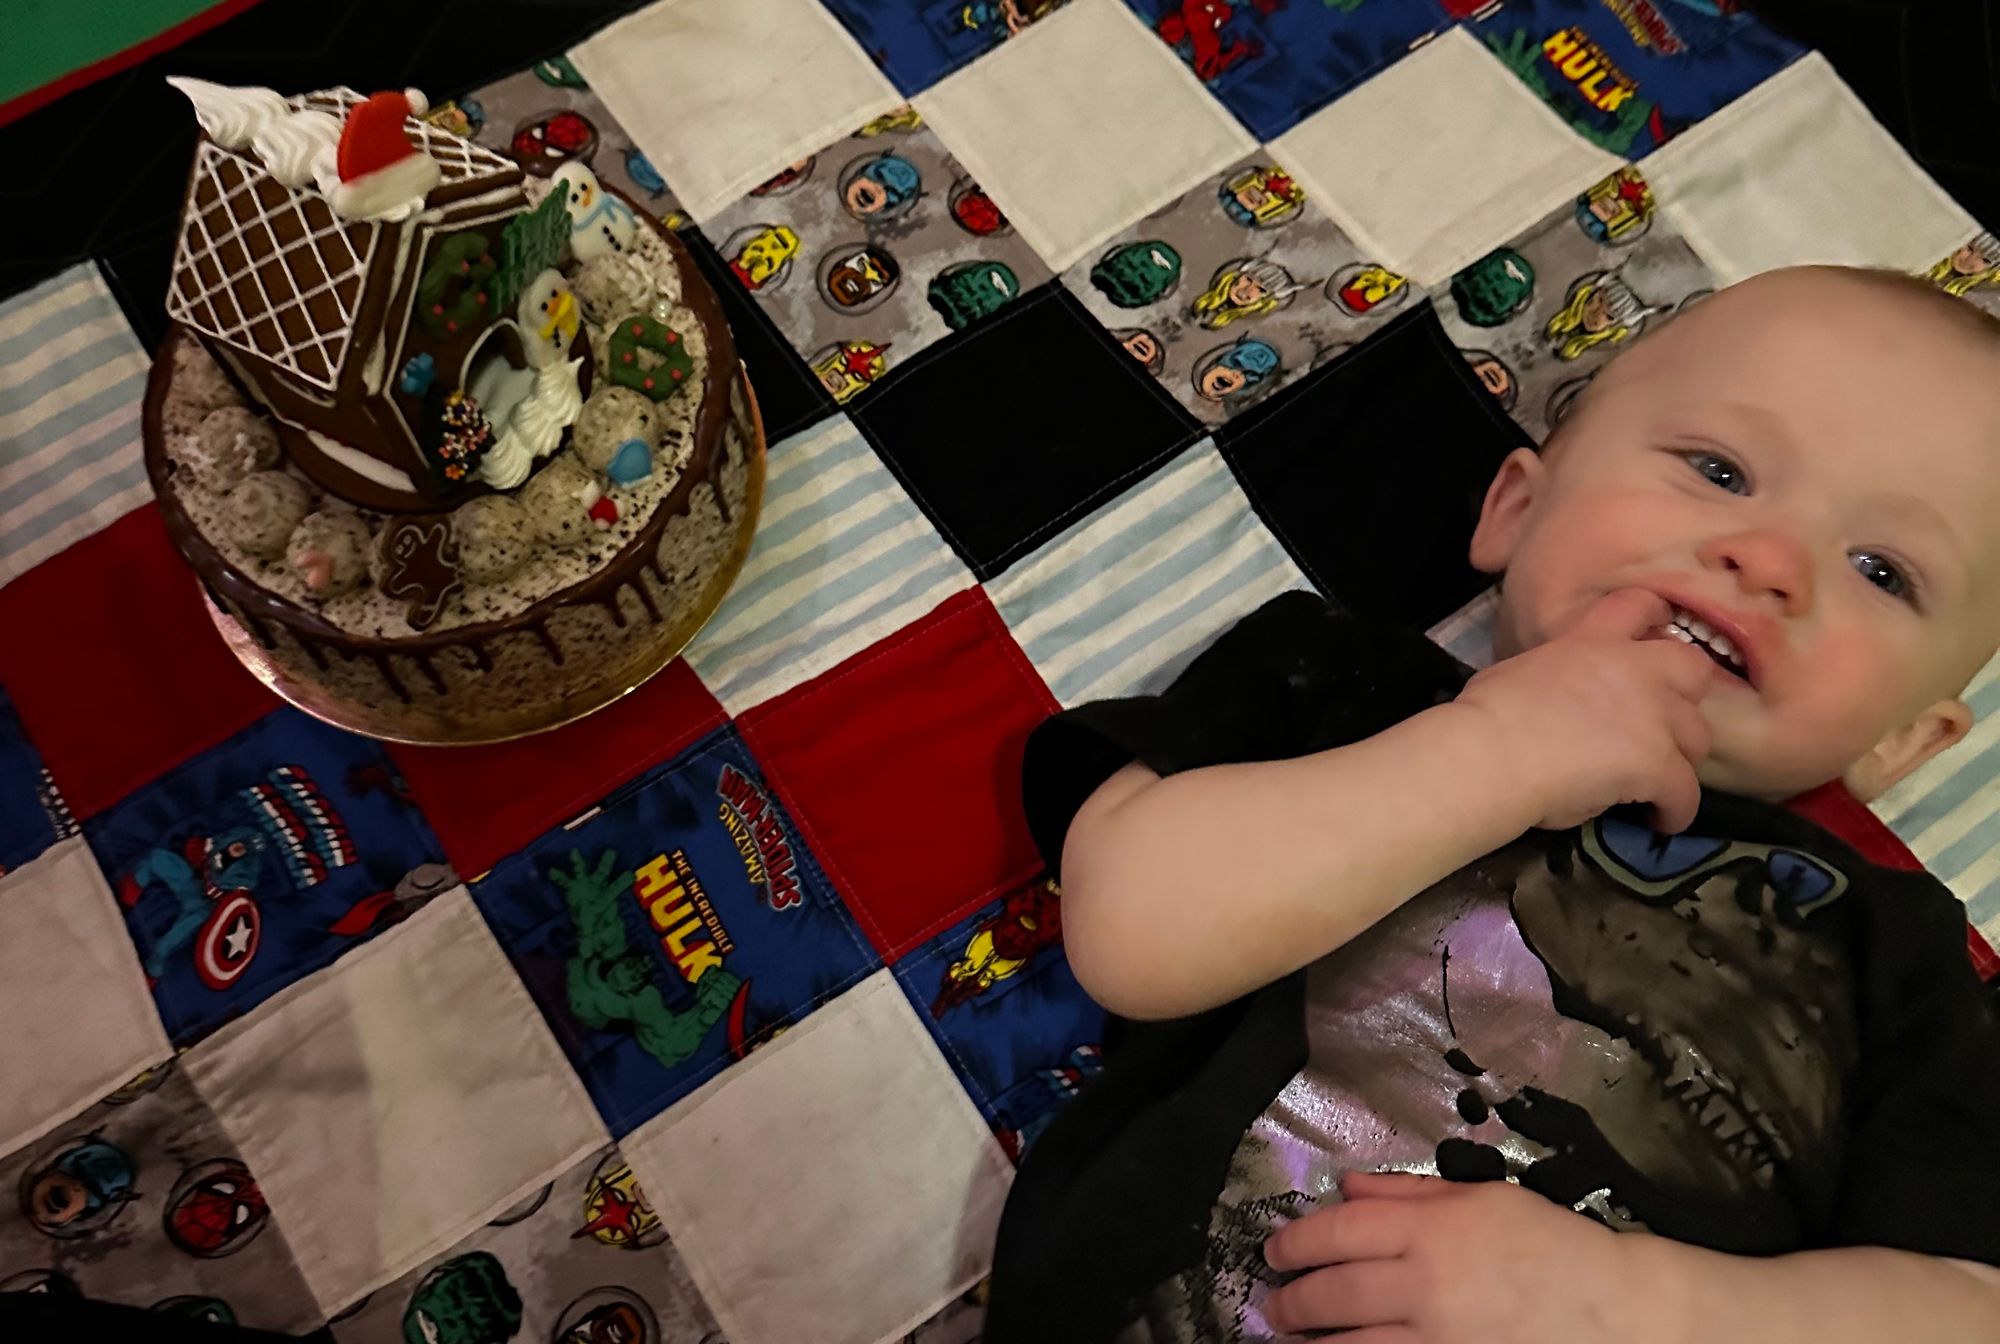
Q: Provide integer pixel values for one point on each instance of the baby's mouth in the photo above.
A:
(1691, 629)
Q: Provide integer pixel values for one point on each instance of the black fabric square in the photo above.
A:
(1371, 471)
(789, 397)
(1011, 431)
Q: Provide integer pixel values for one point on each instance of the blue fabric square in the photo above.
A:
(1629, 75)
(33, 815)
(1275, 62)
(919, 42)
(673, 930)
(997, 993)
(260, 861)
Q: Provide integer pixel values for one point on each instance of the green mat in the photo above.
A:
(49, 40)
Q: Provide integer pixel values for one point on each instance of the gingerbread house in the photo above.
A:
(363, 273)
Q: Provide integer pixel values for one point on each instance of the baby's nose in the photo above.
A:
(1766, 562)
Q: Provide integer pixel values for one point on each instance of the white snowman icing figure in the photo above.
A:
(548, 316)
(600, 225)
(531, 413)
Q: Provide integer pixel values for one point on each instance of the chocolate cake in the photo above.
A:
(462, 452)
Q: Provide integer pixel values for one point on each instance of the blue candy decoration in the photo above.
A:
(417, 375)
(641, 170)
(631, 464)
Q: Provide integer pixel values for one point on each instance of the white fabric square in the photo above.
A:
(397, 1100)
(1948, 812)
(842, 557)
(79, 1019)
(837, 1186)
(1081, 124)
(722, 94)
(1439, 159)
(1125, 598)
(1796, 171)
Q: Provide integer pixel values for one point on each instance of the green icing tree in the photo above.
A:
(531, 242)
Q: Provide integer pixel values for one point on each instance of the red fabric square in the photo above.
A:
(114, 666)
(902, 766)
(486, 802)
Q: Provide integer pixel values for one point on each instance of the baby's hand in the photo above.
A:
(1419, 1260)
(1607, 714)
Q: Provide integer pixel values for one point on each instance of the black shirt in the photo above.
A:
(1861, 1112)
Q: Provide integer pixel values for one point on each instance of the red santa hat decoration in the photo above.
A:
(383, 175)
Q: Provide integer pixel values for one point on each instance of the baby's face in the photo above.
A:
(1808, 464)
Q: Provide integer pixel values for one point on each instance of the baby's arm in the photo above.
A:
(1183, 893)
(1854, 1295)
(1417, 1260)
(1186, 892)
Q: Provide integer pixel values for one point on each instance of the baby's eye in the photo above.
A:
(1884, 573)
(1719, 471)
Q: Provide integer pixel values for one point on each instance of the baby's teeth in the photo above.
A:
(1720, 643)
(1682, 635)
(1701, 631)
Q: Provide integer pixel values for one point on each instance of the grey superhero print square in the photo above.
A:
(582, 1259)
(1235, 287)
(1538, 317)
(546, 116)
(873, 248)
(1971, 272)
(143, 1200)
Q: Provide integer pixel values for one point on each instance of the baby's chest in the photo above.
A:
(1637, 1054)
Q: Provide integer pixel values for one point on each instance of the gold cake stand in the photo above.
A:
(682, 623)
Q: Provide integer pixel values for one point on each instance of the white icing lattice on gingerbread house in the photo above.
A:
(272, 270)
(268, 269)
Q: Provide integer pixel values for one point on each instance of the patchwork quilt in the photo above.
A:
(1081, 329)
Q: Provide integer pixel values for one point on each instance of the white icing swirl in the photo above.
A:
(557, 401)
(231, 115)
(300, 148)
(535, 429)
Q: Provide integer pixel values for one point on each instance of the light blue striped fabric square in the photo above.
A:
(1125, 598)
(72, 379)
(842, 557)
(1948, 813)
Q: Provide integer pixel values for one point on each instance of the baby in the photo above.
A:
(1547, 932)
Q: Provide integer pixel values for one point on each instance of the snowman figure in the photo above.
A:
(530, 417)
(549, 317)
(600, 225)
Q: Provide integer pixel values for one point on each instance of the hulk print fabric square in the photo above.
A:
(1629, 75)
(261, 861)
(1537, 318)
(869, 250)
(674, 930)
(1235, 287)
(1272, 62)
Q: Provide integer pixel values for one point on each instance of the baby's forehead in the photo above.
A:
(1876, 377)
(1828, 341)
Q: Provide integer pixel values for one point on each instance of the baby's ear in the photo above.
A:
(1505, 509)
(1902, 750)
